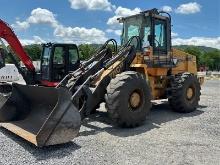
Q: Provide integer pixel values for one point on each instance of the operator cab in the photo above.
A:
(57, 61)
(154, 31)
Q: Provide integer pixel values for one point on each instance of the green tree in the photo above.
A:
(86, 51)
(34, 51)
(196, 52)
(211, 59)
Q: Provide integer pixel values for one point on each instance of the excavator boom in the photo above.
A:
(8, 34)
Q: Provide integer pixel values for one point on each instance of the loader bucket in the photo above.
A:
(42, 116)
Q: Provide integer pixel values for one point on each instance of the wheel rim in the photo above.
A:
(135, 99)
(190, 93)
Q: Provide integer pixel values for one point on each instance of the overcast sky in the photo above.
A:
(94, 21)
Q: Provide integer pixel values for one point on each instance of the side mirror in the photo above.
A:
(2, 58)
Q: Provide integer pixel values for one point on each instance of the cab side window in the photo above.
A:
(146, 34)
(160, 35)
(73, 55)
(59, 55)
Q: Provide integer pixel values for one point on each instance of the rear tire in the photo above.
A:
(185, 93)
(128, 99)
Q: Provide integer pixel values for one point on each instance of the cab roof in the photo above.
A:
(150, 12)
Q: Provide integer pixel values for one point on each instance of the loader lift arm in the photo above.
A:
(88, 87)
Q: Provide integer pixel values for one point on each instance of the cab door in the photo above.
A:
(160, 37)
(58, 68)
(161, 42)
(46, 63)
(65, 59)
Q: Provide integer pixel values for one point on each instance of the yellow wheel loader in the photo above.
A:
(145, 68)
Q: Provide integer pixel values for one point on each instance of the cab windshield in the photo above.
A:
(136, 26)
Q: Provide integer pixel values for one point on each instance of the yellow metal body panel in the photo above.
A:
(112, 71)
(186, 62)
(157, 71)
(157, 77)
(158, 86)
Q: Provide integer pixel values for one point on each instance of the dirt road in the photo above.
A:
(165, 138)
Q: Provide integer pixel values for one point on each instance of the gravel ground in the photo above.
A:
(165, 138)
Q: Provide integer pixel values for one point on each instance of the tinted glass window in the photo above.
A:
(136, 26)
(45, 69)
(147, 31)
(133, 30)
(46, 56)
(58, 55)
(160, 35)
(73, 55)
(132, 27)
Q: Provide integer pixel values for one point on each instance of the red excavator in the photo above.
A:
(57, 60)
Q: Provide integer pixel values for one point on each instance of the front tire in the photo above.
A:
(185, 93)
(128, 99)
